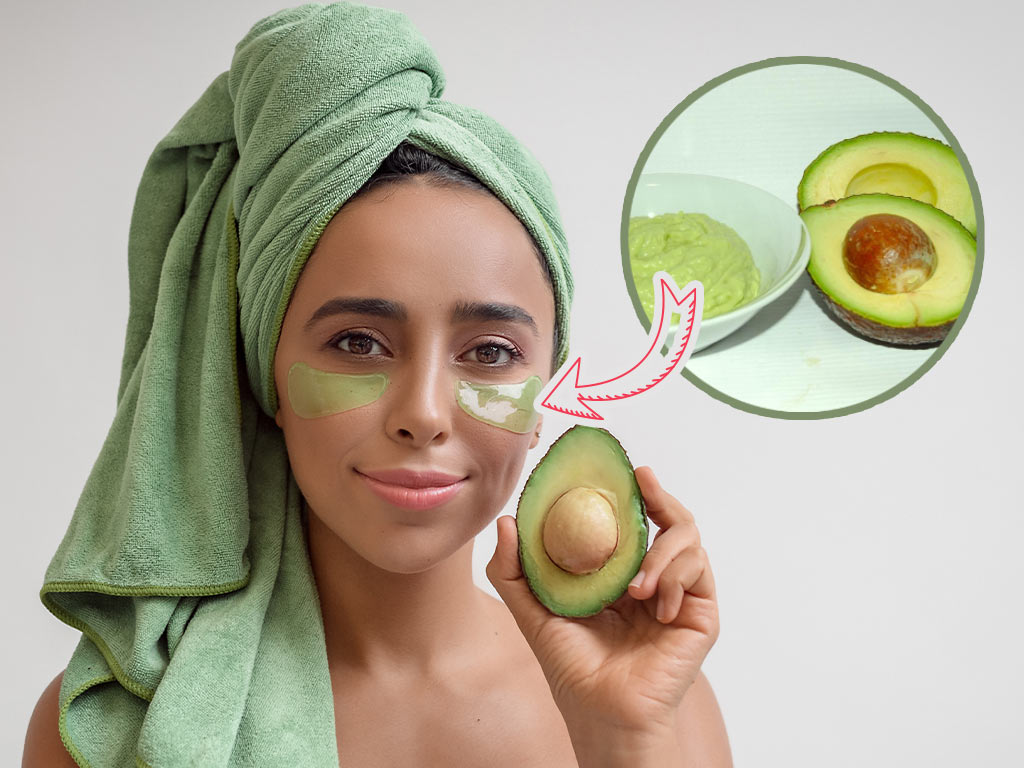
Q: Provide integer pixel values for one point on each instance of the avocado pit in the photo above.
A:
(580, 530)
(886, 253)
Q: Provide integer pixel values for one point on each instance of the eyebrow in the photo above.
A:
(493, 311)
(360, 306)
(463, 311)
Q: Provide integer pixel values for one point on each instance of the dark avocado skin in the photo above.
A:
(903, 337)
(585, 594)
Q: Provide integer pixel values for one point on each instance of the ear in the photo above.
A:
(536, 433)
(277, 419)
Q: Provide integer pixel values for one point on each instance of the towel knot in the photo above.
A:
(317, 108)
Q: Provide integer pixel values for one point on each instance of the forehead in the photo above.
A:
(429, 248)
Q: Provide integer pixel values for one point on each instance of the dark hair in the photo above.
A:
(409, 160)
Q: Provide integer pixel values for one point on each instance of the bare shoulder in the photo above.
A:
(701, 727)
(43, 747)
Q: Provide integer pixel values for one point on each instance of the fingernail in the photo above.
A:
(660, 613)
(637, 580)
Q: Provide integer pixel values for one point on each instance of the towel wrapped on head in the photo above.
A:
(185, 563)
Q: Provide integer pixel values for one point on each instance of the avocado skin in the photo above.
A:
(587, 594)
(903, 337)
(958, 246)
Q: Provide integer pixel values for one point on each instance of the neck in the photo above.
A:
(401, 622)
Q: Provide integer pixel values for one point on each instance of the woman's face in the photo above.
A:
(430, 286)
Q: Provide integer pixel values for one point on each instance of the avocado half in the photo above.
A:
(902, 164)
(592, 460)
(920, 316)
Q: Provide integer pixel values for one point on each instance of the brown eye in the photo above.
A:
(360, 344)
(492, 354)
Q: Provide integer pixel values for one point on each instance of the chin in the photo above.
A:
(402, 548)
(401, 541)
(405, 555)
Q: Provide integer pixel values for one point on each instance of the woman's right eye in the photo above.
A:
(359, 344)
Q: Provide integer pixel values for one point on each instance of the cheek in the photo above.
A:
(500, 454)
(318, 447)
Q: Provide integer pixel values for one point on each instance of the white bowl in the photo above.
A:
(778, 239)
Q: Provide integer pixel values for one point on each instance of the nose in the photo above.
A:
(422, 404)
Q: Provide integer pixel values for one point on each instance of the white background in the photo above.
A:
(868, 567)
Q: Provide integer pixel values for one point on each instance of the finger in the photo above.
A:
(663, 551)
(506, 574)
(690, 573)
(662, 507)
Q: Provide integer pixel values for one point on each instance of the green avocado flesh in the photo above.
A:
(902, 164)
(583, 457)
(922, 315)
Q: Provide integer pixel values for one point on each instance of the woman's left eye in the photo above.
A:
(492, 354)
(359, 344)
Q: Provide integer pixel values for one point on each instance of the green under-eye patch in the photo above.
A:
(508, 406)
(314, 393)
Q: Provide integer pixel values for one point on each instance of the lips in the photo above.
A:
(412, 489)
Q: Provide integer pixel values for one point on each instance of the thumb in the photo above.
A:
(506, 574)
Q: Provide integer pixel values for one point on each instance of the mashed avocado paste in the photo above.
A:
(692, 246)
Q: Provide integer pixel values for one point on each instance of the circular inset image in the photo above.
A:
(833, 220)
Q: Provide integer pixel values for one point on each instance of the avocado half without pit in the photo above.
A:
(582, 523)
(892, 163)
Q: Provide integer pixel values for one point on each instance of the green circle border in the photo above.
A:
(910, 96)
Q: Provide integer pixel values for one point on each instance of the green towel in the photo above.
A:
(185, 564)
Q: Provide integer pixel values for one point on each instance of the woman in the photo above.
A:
(249, 550)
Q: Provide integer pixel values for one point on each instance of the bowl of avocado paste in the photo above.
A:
(692, 246)
(746, 246)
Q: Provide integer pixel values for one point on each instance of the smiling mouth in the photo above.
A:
(412, 489)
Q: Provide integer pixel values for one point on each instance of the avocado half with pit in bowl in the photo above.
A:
(582, 523)
(891, 268)
(891, 163)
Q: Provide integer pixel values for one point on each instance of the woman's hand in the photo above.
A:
(623, 672)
